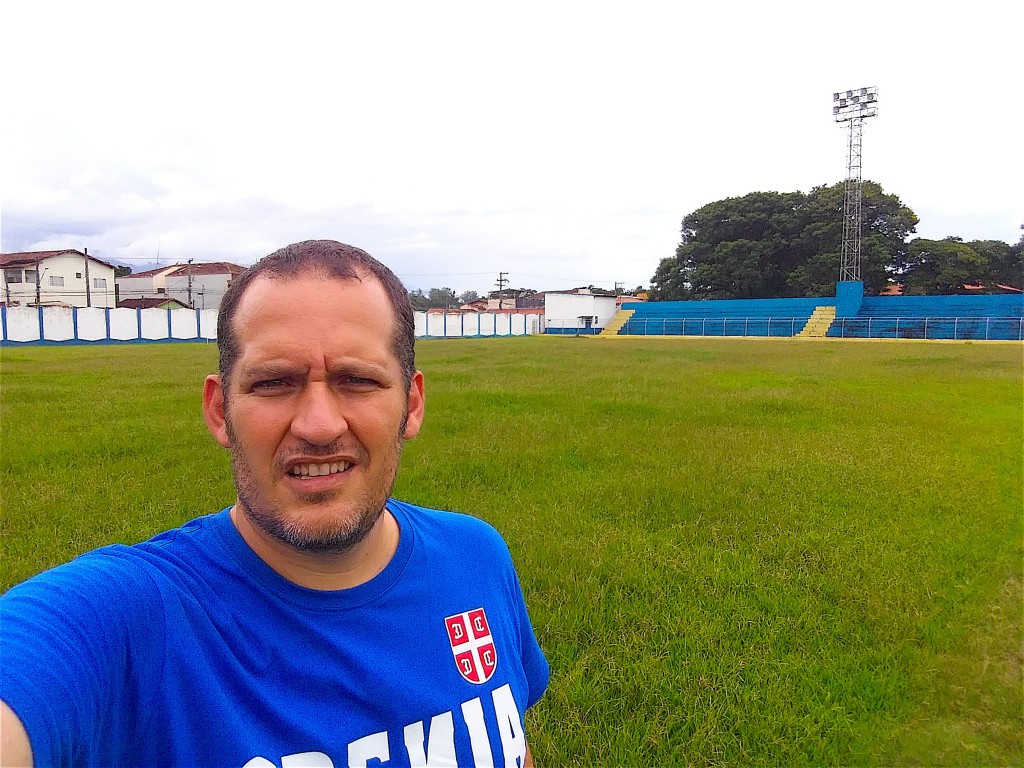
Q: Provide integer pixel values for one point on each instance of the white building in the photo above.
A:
(197, 285)
(575, 311)
(57, 278)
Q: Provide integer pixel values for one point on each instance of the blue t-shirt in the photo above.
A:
(189, 650)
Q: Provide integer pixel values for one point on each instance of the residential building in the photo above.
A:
(519, 298)
(65, 277)
(200, 285)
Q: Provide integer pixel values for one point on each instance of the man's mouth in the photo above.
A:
(319, 470)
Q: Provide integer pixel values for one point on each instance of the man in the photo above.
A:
(316, 622)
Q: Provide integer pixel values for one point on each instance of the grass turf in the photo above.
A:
(734, 552)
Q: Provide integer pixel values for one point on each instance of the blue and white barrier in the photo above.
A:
(98, 325)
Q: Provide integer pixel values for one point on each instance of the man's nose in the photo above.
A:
(320, 418)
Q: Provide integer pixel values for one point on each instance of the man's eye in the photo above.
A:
(360, 382)
(269, 385)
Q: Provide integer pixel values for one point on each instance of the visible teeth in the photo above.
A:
(319, 470)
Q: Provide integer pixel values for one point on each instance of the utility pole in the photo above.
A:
(88, 288)
(39, 278)
(190, 284)
(502, 279)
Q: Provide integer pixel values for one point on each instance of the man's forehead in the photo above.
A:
(271, 301)
(280, 291)
(270, 282)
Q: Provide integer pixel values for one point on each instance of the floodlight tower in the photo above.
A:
(853, 107)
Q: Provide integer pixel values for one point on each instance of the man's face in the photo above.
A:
(315, 409)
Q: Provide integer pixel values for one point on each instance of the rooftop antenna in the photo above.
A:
(853, 107)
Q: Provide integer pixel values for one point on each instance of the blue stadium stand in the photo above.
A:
(991, 317)
(735, 317)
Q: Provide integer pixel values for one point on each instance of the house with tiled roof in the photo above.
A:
(200, 285)
(63, 278)
(157, 302)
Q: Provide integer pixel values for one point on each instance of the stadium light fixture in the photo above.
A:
(849, 105)
(853, 107)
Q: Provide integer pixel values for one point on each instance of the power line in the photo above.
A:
(444, 274)
(577, 280)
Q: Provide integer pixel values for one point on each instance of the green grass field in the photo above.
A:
(734, 552)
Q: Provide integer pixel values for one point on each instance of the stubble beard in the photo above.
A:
(345, 532)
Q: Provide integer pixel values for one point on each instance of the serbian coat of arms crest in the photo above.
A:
(472, 645)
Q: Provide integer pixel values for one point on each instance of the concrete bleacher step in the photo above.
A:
(617, 321)
(819, 323)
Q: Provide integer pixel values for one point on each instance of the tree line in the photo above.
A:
(439, 298)
(445, 298)
(788, 244)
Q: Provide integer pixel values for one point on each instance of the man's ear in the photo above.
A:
(416, 407)
(213, 409)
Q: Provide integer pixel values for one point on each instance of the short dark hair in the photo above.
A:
(326, 259)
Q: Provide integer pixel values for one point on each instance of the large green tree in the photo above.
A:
(941, 267)
(418, 299)
(442, 298)
(772, 244)
(1004, 262)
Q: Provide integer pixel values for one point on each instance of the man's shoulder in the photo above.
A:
(122, 571)
(437, 526)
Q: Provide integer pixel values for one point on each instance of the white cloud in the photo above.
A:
(557, 140)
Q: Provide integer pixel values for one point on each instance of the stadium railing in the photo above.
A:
(713, 326)
(955, 328)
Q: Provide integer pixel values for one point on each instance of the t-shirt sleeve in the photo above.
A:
(70, 641)
(535, 665)
(487, 552)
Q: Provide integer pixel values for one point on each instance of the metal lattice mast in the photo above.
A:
(853, 107)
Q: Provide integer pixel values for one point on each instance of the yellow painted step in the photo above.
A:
(818, 324)
(619, 320)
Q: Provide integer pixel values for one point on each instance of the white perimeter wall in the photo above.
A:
(445, 325)
(22, 324)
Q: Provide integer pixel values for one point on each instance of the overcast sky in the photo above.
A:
(560, 142)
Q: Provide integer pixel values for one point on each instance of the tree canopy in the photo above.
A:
(439, 298)
(938, 267)
(418, 299)
(781, 244)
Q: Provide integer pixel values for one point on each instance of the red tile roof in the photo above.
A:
(158, 301)
(33, 257)
(198, 268)
(148, 272)
(896, 289)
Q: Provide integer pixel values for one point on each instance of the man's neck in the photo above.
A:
(323, 571)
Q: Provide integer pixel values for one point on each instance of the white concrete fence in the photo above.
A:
(55, 325)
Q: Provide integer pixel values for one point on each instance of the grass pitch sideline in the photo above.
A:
(742, 553)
